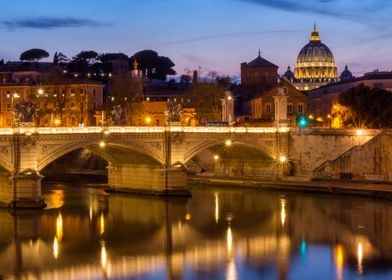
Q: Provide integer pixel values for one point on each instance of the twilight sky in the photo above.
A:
(214, 34)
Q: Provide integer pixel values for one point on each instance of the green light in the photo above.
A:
(302, 121)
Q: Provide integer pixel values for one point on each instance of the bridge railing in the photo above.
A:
(137, 129)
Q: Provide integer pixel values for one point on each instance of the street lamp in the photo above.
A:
(167, 139)
(281, 161)
(329, 117)
(147, 120)
(359, 133)
(102, 144)
(13, 96)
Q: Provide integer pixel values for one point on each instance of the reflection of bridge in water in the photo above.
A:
(126, 239)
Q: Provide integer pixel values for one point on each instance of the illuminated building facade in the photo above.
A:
(70, 103)
(262, 108)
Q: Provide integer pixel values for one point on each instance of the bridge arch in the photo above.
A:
(112, 152)
(259, 146)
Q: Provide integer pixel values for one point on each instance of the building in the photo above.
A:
(262, 108)
(323, 101)
(315, 65)
(259, 74)
(62, 102)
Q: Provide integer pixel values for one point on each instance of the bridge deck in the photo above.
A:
(138, 129)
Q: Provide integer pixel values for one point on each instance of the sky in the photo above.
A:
(216, 35)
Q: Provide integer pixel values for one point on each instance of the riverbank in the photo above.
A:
(375, 190)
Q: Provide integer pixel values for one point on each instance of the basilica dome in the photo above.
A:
(346, 74)
(315, 61)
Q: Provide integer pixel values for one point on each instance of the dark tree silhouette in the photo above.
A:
(185, 79)
(368, 107)
(152, 65)
(82, 62)
(33, 55)
(60, 58)
(206, 99)
(110, 57)
(89, 56)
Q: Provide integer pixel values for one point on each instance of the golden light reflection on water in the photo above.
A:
(231, 273)
(55, 199)
(55, 248)
(339, 261)
(101, 224)
(360, 257)
(59, 227)
(58, 237)
(104, 255)
(105, 264)
(216, 207)
(229, 240)
(282, 211)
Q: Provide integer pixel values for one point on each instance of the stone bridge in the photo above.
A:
(141, 159)
(156, 160)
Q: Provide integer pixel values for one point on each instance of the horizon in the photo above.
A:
(214, 35)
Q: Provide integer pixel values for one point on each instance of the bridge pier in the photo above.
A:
(26, 190)
(147, 179)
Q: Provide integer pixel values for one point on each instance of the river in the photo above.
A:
(219, 233)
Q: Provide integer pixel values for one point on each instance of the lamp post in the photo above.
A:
(167, 145)
(15, 154)
(13, 96)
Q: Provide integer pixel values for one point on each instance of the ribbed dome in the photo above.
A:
(315, 61)
(315, 51)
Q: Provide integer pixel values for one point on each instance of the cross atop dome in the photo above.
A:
(315, 35)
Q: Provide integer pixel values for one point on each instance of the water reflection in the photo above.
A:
(359, 257)
(216, 207)
(94, 236)
(339, 260)
(282, 211)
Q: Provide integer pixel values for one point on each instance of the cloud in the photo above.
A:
(353, 10)
(49, 23)
(227, 35)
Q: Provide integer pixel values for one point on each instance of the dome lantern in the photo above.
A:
(315, 35)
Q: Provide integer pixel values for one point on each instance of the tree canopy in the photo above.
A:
(368, 107)
(33, 55)
(60, 58)
(152, 65)
(206, 99)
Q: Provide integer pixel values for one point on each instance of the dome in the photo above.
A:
(289, 75)
(346, 74)
(315, 61)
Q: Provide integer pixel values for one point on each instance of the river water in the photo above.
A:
(219, 233)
